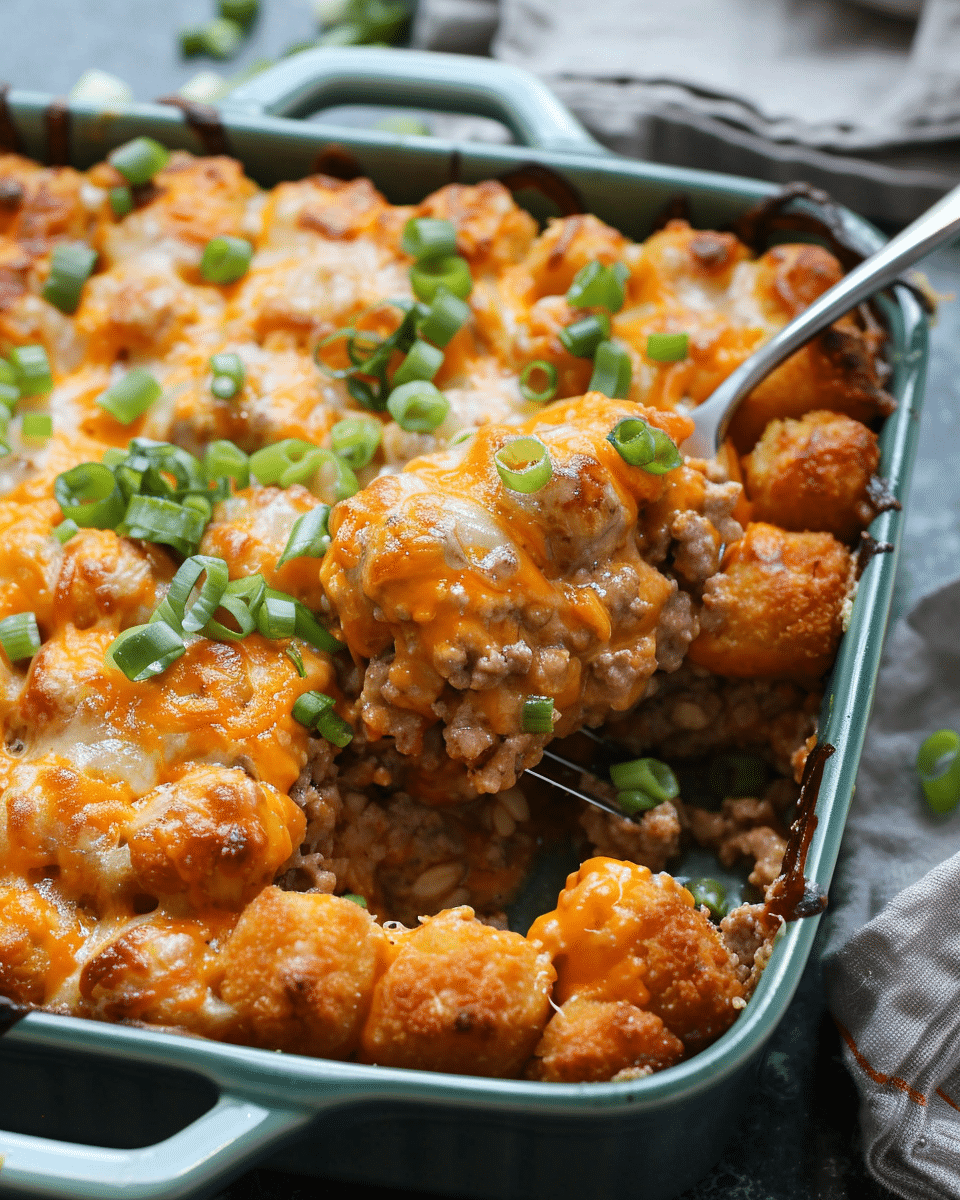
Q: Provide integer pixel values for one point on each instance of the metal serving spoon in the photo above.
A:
(928, 231)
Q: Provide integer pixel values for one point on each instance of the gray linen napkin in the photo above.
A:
(864, 104)
(892, 957)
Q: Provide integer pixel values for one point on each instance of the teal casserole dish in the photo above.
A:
(141, 1113)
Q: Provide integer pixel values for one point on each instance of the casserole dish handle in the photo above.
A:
(219, 1144)
(458, 83)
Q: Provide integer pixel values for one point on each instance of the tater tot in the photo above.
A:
(38, 939)
(459, 996)
(775, 609)
(215, 834)
(299, 969)
(589, 1041)
(812, 474)
(620, 932)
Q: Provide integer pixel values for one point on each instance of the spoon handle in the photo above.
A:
(928, 231)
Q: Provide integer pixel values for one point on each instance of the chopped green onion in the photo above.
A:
(241, 600)
(334, 728)
(65, 531)
(938, 765)
(666, 457)
(32, 369)
(537, 714)
(191, 42)
(225, 259)
(354, 899)
(229, 375)
(221, 38)
(89, 495)
(712, 894)
(121, 200)
(309, 705)
(193, 619)
(612, 371)
(418, 407)
(445, 317)
(223, 387)
(597, 286)
(284, 463)
(668, 347)
(8, 375)
(243, 12)
(523, 464)
(154, 519)
(428, 276)
(633, 801)
(224, 460)
(71, 264)
(19, 636)
(427, 237)
(355, 440)
(145, 651)
(581, 338)
(293, 653)
(131, 396)
(549, 373)
(423, 361)
(309, 537)
(646, 775)
(38, 426)
(333, 478)
(277, 615)
(138, 161)
(9, 395)
(309, 630)
(632, 438)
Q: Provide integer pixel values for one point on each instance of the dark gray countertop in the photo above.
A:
(799, 1135)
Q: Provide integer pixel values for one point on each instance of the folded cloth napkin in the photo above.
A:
(862, 103)
(892, 956)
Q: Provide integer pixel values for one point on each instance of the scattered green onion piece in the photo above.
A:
(423, 361)
(938, 765)
(537, 714)
(9, 395)
(225, 259)
(154, 519)
(309, 537)
(429, 276)
(113, 456)
(38, 426)
(612, 371)
(32, 369)
(138, 161)
(355, 440)
(733, 774)
(335, 729)
(632, 438)
(221, 38)
(65, 531)
(229, 375)
(223, 387)
(427, 237)
(418, 407)
(646, 775)
(549, 372)
(633, 801)
(88, 494)
(668, 347)
(597, 286)
(131, 396)
(354, 899)
(289, 461)
(333, 478)
(583, 337)
(242, 12)
(293, 653)
(240, 600)
(463, 436)
(310, 705)
(523, 464)
(121, 201)
(145, 651)
(667, 457)
(7, 374)
(193, 619)
(191, 42)
(71, 264)
(19, 636)
(709, 892)
(309, 630)
(277, 616)
(445, 317)
(224, 460)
